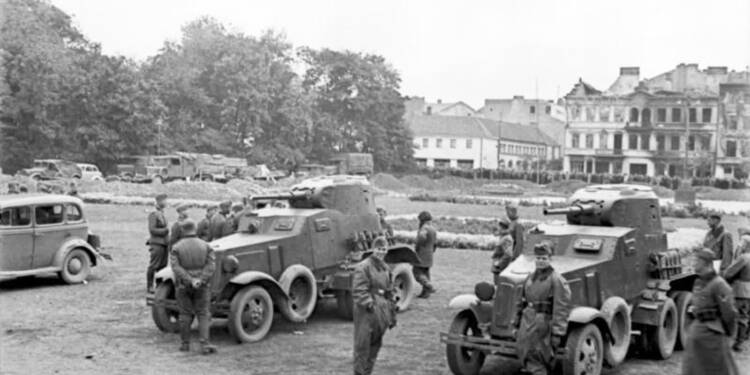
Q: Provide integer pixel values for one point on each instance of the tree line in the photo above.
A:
(214, 91)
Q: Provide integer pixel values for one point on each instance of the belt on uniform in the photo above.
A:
(541, 307)
(706, 314)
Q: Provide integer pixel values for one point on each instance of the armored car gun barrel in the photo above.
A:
(575, 210)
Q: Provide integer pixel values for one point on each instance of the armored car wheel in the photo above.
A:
(660, 340)
(463, 361)
(585, 351)
(300, 286)
(618, 318)
(250, 314)
(76, 267)
(166, 319)
(345, 304)
(404, 284)
(682, 300)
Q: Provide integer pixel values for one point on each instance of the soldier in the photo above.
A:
(220, 226)
(13, 188)
(743, 239)
(503, 254)
(158, 229)
(719, 241)
(193, 264)
(707, 350)
(515, 229)
(738, 275)
(387, 228)
(236, 213)
(374, 308)
(543, 314)
(204, 226)
(176, 233)
(73, 189)
(425, 247)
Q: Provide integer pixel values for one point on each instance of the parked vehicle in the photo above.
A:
(353, 163)
(49, 169)
(624, 282)
(287, 258)
(90, 172)
(42, 234)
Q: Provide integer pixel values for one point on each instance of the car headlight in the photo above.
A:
(230, 264)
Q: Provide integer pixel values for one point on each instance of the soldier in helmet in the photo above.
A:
(176, 233)
(236, 213)
(738, 276)
(387, 228)
(544, 309)
(515, 229)
(425, 247)
(158, 229)
(374, 307)
(503, 254)
(707, 350)
(193, 263)
(719, 241)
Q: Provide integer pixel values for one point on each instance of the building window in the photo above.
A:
(439, 143)
(675, 143)
(576, 166)
(706, 143)
(646, 117)
(465, 164)
(633, 142)
(425, 143)
(660, 139)
(661, 115)
(676, 114)
(468, 143)
(619, 114)
(589, 141)
(728, 170)
(731, 149)
(442, 163)
(732, 123)
(706, 115)
(645, 142)
(691, 143)
(603, 140)
(453, 143)
(574, 141)
(693, 115)
(421, 162)
(532, 109)
(547, 109)
(633, 114)
(601, 167)
(604, 114)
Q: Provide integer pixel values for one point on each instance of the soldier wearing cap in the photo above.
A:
(543, 313)
(719, 241)
(193, 263)
(235, 216)
(503, 254)
(221, 225)
(204, 226)
(176, 233)
(425, 247)
(158, 229)
(707, 350)
(515, 228)
(374, 307)
(387, 228)
(738, 276)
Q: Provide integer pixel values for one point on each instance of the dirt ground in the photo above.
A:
(47, 327)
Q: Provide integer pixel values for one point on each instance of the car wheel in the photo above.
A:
(166, 319)
(462, 360)
(76, 267)
(300, 286)
(660, 340)
(404, 284)
(682, 300)
(618, 318)
(345, 304)
(250, 314)
(584, 351)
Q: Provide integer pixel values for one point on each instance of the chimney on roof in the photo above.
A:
(717, 70)
(517, 97)
(630, 71)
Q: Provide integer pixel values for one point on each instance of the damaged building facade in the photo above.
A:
(674, 124)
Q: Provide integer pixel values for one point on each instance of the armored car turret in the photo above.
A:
(624, 281)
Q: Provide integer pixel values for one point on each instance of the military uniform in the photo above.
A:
(707, 350)
(545, 305)
(516, 231)
(193, 259)
(158, 229)
(425, 248)
(221, 223)
(374, 311)
(204, 228)
(720, 242)
(175, 234)
(738, 276)
(503, 254)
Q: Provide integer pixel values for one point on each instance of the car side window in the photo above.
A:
(15, 217)
(73, 213)
(49, 214)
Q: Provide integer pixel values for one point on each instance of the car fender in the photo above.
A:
(75, 243)
(482, 311)
(164, 274)
(263, 279)
(398, 254)
(583, 315)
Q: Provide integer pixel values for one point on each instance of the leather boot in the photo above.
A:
(185, 321)
(149, 280)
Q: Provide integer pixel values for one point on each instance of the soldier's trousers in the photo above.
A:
(422, 275)
(368, 338)
(157, 260)
(194, 302)
(743, 319)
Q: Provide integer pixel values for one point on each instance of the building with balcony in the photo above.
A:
(666, 125)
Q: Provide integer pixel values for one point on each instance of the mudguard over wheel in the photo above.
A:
(618, 318)
(461, 360)
(404, 284)
(76, 267)
(660, 340)
(298, 282)
(682, 300)
(167, 320)
(584, 351)
(250, 314)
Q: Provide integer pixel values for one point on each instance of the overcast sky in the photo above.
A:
(458, 50)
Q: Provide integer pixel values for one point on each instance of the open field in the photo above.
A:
(105, 326)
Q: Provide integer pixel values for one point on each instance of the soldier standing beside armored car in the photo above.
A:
(707, 350)
(193, 264)
(719, 241)
(503, 254)
(425, 248)
(204, 226)
(221, 224)
(158, 229)
(545, 305)
(738, 276)
(374, 309)
(515, 229)
(176, 233)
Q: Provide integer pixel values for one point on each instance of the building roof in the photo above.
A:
(475, 127)
(36, 198)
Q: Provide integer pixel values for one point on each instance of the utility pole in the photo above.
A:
(687, 140)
